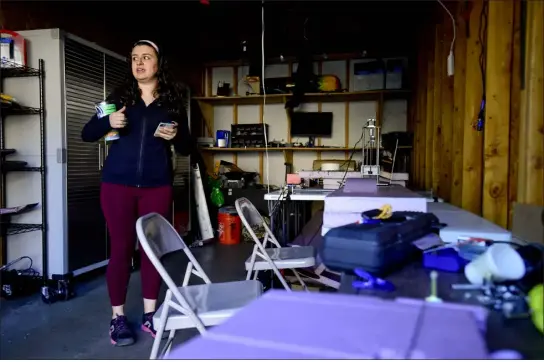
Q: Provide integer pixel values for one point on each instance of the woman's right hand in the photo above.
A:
(118, 119)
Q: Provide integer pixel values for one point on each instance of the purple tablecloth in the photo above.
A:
(298, 325)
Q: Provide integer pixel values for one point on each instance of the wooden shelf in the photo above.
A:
(274, 149)
(309, 97)
(288, 59)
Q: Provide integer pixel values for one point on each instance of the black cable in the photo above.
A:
(28, 271)
(10, 264)
(278, 201)
(482, 38)
(351, 156)
(273, 211)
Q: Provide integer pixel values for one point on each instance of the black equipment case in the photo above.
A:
(376, 248)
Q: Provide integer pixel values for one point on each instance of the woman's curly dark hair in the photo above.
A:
(170, 93)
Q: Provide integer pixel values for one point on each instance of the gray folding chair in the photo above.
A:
(194, 306)
(274, 258)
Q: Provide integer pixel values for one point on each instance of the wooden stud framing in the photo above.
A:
(515, 105)
(346, 111)
(533, 102)
(472, 140)
(287, 113)
(208, 120)
(420, 117)
(437, 110)
(459, 123)
(484, 180)
(446, 125)
(319, 104)
(497, 120)
(429, 116)
(261, 158)
(235, 78)
(209, 80)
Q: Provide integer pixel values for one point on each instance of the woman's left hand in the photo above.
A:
(168, 133)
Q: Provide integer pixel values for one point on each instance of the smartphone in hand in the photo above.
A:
(161, 125)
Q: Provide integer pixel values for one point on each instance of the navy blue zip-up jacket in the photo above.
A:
(138, 158)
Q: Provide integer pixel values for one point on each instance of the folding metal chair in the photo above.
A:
(195, 306)
(274, 258)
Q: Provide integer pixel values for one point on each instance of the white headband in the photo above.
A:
(150, 43)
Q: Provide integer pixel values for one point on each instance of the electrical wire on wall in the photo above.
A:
(451, 65)
(478, 125)
(267, 166)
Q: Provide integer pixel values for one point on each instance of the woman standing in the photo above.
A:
(138, 174)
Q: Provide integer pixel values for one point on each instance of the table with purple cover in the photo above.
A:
(298, 325)
(412, 281)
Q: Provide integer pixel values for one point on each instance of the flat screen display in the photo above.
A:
(311, 124)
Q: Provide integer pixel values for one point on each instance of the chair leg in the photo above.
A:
(158, 336)
(155, 348)
(297, 275)
(169, 343)
(320, 269)
(280, 277)
(251, 263)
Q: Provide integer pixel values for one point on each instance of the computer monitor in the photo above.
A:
(311, 124)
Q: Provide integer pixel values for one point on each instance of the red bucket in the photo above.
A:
(229, 226)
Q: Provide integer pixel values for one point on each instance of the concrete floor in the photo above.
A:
(78, 329)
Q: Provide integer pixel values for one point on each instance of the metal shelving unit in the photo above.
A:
(8, 228)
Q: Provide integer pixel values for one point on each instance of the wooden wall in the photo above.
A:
(483, 171)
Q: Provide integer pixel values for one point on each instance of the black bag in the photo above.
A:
(376, 248)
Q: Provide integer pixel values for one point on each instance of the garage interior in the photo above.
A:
(468, 98)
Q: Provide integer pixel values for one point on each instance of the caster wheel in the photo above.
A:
(47, 295)
(63, 293)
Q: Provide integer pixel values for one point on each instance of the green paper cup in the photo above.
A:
(104, 109)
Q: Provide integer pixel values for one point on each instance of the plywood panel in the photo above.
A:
(534, 103)
(439, 66)
(515, 105)
(472, 139)
(497, 120)
(429, 117)
(458, 120)
(446, 128)
(486, 179)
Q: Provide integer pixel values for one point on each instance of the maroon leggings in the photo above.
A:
(122, 205)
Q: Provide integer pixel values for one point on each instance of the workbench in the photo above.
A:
(458, 222)
(282, 325)
(289, 215)
(413, 282)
